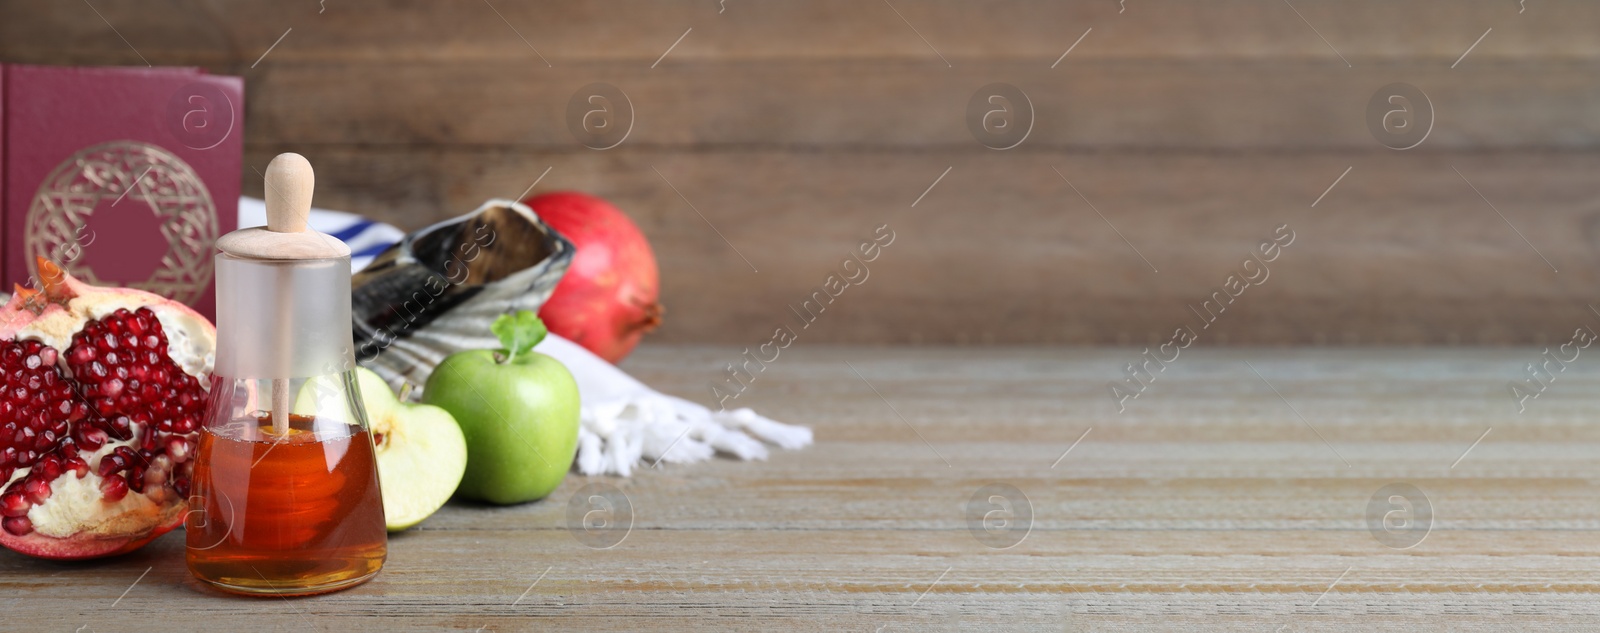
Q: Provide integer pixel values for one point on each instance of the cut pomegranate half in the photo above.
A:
(102, 391)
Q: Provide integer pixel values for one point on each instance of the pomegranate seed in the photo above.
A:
(13, 503)
(77, 465)
(45, 441)
(111, 464)
(178, 448)
(118, 427)
(136, 478)
(155, 477)
(36, 490)
(49, 468)
(114, 488)
(17, 526)
(91, 439)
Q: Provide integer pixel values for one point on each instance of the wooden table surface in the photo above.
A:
(1220, 500)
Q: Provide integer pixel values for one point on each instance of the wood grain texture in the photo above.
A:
(1002, 250)
(220, 33)
(822, 105)
(1207, 505)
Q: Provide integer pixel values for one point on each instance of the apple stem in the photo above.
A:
(405, 390)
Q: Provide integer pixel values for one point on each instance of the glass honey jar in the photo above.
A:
(285, 498)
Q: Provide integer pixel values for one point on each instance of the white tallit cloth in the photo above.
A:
(628, 425)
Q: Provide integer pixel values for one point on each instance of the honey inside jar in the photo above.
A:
(294, 514)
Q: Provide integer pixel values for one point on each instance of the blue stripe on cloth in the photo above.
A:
(350, 232)
(371, 251)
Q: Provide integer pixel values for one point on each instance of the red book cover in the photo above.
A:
(124, 176)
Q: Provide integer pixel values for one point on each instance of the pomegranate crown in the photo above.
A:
(52, 288)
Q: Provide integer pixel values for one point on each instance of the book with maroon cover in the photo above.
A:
(124, 176)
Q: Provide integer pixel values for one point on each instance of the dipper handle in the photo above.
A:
(286, 237)
(290, 182)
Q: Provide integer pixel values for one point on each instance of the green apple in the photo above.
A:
(420, 450)
(518, 409)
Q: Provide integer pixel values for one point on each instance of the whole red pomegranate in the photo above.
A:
(607, 300)
(102, 393)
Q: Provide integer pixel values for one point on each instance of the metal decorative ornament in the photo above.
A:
(69, 196)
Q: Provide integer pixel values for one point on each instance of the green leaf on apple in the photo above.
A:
(518, 332)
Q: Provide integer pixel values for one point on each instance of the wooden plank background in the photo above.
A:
(1206, 505)
(795, 128)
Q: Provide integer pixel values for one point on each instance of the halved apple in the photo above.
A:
(421, 451)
